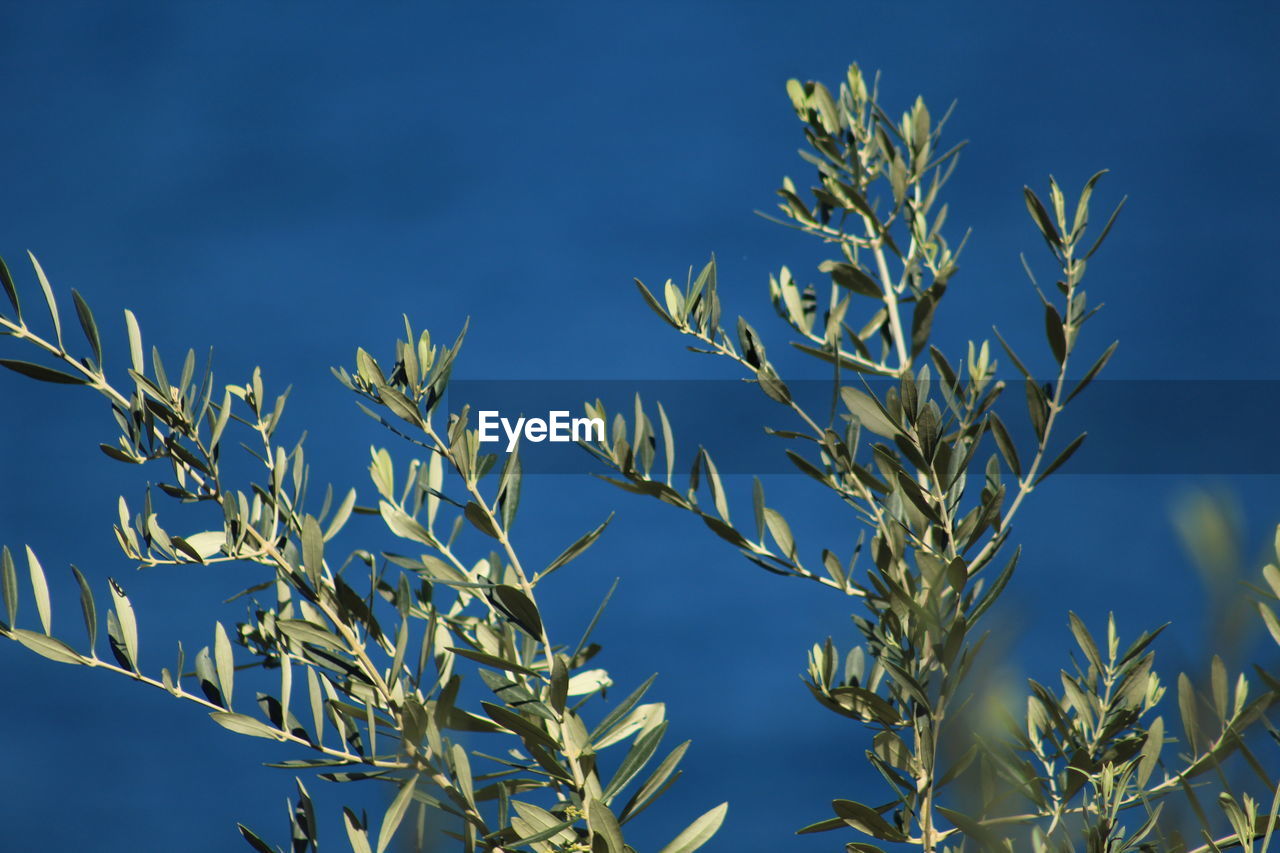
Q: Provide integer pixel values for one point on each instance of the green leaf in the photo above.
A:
(1085, 641)
(974, 830)
(604, 825)
(403, 526)
(1082, 206)
(1218, 685)
(39, 371)
(1272, 574)
(1054, 332)
(253, 840)
(780, 531)
(718, 496)
(1041, 218)
(668, 442)
(1269, 617)
(10, 584)
(89, 610)
(491, 660)
(1151, 749)
(206, 543)
(87, 324)
(400, 405)
(40, 586)
(653, 303)
(1097, 244)
(313, 550)
(481, 520)
(340, 515)
(368, 368)
(128, 624)
(462, 772)
(658, 781)
(870, 414)
(48, 298)
(6, 279)
(309, 632)
(1037, 409)
(866, 819)
(208, 676)
(576, 548)
(757, 503)
(536, 824)
(1063, 457)
(50, 647)
(1005, 443)
(356, 834)
(773, 387)
(1017, 362)
(517, 724)
(517, 606)
(725, 531)
(1093, 371)
(182, 545)
(509, 484)
(850, 277)
(135, 343)
(225, 662)
(317, 704)
(1187, 707)
(911, 489)
(922, 322)
(622, 709)
(240, 724)
(637, 757)
(699, 832)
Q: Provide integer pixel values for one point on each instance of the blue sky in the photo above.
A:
(282, 181)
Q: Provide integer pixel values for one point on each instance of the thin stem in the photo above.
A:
(890, 297)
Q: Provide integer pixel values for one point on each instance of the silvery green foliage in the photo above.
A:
(368, 648)
(931, 472)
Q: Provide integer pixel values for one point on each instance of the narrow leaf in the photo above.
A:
(39, 371)
(480, 519)
(1093, 371)
(135, 343)
(699, 832)
(313, 550)
(225, 662)
(89, 610)
(240, 724)
(356, 834)
(395, 813)
(576, 548)
(604, 825)
(1151, 749)
(128, 624)
(50, 647)
(516, 605)
(1006, 445)
(10, 585)
(40, 586)
(6, 279)
(50, 301)
(869, 412)
(1063, 456)
(87, 324)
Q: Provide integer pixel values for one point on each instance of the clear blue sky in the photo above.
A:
(281, 181)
